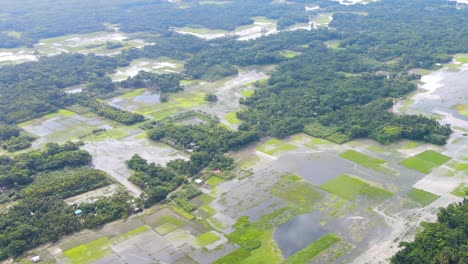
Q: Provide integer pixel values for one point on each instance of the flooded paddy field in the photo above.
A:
(110, 155)
(358, 200)
(162, 65)
(159, 235)
(79, 43)
(262, 26)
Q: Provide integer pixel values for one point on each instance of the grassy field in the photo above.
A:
(274, 146)
(129, 234)
(214, 181)
(332, 44)
(247, 93)
(89, 252)
(462, 109)
(165, 228)
(268, 252)
(426, 161)
(313, 250)
(182, 212)
(290, 54)
(298, 193)
(462, 58)
(351, 188)
(461, 190)
(422, 197)
(60, 112)
(362, 159)
(418, 164)
(206, 239)
(411, 145)
(208, 209)
(433, 157)
(232, 119)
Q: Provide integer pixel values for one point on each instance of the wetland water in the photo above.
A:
(445, 89)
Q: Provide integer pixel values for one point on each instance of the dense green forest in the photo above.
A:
(40, 19)
(38, 181)
(169, 82)
(444, 241)
(33, 89)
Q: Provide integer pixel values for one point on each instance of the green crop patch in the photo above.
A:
(214, 181)
(422, 197)
(313, 250)
(433, 157)
(165, 228)
(182, 212)
(418, 164)
(206, 239)
(351, 188)
(298, 193)
(461, 190)
(274, 146)
(89, 252)
(363, 159)
(232, 119)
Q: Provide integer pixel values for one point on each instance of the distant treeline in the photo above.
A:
(38, 19)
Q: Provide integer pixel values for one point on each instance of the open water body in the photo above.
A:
(148, 98)
(316, 168)
(445, 90)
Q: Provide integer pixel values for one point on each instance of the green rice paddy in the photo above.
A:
(274, 146)
(299, 193)
(462, 108)
(182, 212)
(461, 190)
(434, 157)
(426, 161)
(362, 159)
(214, 181)
(89, 252)
(314, 249)
(418, 164)
(232, 119)
(165, 228)
(422, 197)
(290, 54)
(351, 188)
(247, 93)
(206, 239)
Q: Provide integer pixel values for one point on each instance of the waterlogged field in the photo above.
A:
(426, 161)
(78, 43)
(295, 200)
(351, 188)
(262, 26)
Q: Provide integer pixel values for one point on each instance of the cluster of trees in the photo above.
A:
(166, 83)
(38, 19)
(13, 138)
(206, 143)
(66, 183)
(317, 88)
(37, 220)
(8, 42)
(33, 89)
(156, 181)
(400, 29)
(40, 180)
(19, 170)
(444, 241)
(111, 112)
